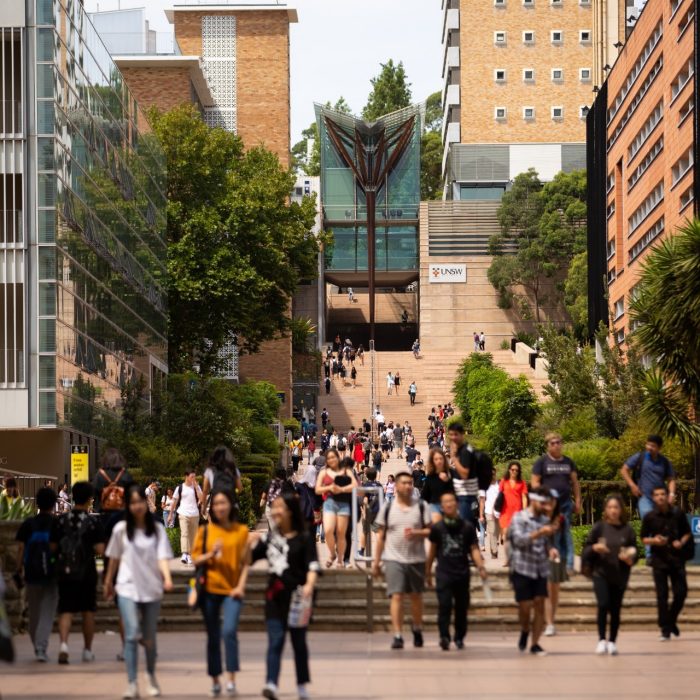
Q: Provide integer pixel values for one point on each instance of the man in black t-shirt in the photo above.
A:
(452, 541)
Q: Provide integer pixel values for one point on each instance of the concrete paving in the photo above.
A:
(356, 666)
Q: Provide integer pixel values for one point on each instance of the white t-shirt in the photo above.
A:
(491, 494)
(380, 418)
(389, 380)
(187, 505)
(139, 578)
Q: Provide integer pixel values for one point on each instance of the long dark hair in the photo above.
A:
(222, 459)
(293, 504)
(337, 454)
(150, 523)
(514, 463)
(233, 513)
(623, 511)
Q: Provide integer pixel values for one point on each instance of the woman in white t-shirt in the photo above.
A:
(166, 505)
(140, 550)
(489, 517)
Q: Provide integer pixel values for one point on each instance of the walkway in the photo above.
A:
(353, 666)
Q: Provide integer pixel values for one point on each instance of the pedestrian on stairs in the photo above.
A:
(397, 382)
(389, 383)
(412, 391)
(353, 376)
(327, 383)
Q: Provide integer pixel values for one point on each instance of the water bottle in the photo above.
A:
(299, 610)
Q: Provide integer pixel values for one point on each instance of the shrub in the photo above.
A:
(510, 432)
(258, 483)
(292, 424)
(163, 458)
(461, 385)
(505, 345)
(523, 337)
(593, 460)
(580, 425)
(247, 504)
(263, 440)
(174, 537)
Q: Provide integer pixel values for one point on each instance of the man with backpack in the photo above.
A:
(187, 502)
(296, 449)
(463, 461)
(644, 472)
(370, 508)
(76, 538)
(36, 565)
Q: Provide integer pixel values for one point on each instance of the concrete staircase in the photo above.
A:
(389, 307)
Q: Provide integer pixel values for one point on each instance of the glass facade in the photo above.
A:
(100, 229)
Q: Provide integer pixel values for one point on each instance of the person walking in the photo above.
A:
(489, 517)
(452, 541)
(438, 481)
(358, 454)
(327, 385)
(187, 502)
(76, 539)
(412, 391)
(515, 492)
(351, 295)
(272, 491)
(221, 547)
(221, 474)
(403, 525)
(530, 535)
(667, 532)
(608, 555)
(151, 496)
(466, 483)
(397, 382)
(63, 504)
(311, 448)
(482, 341)
(389, 383)
(397, 431)
(361, 354)
(643, 472)
(36, 567)
(139, 549)
(166, 505)
(415, 349)
(296, 449)
(477, 343)
(353, 376)
(290, 551)
(334, 484)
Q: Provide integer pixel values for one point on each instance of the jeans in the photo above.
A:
(481, 532)
(451, 591)
(42, 600)
(469, 509)
(645, 505)
(668, 614)
(564, 541)
(211, 610)
(276, 632)
(135, 630)
(166, 515)
(609, 597)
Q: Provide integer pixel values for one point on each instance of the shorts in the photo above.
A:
(77, 596)
(528, 588)
(404, 578)
(370, 524)
(436, 508)
(330, 505)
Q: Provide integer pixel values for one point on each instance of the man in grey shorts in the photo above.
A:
(403, 526)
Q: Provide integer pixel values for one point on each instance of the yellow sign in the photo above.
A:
(79, 463)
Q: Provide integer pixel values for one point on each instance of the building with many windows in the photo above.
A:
(641, 155)
(82, 238)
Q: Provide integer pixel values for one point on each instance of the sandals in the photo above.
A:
(329, 563)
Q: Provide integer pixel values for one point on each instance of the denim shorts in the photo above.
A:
(330, 505)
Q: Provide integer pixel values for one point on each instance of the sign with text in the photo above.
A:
(79, 463)
(447, 274)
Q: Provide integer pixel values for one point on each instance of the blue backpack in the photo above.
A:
(38, 558)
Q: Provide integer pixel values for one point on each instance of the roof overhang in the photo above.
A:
(194, 64)
(292, 13)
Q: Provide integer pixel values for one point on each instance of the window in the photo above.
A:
(682, 79)
(555, 3)
(528, 3)
(610, 183)
(583, 111)
(681, 166)
(686, 198)
(584, 75)
(585, 3)
(611, 249)
(643, 134)
(499, 3)
(500, 113)
(610, 209)
(686, 109)
(645, 241)
(499, 75)
(557, 75)
(619, 308)
(620, 336)
(529, 75)
(557, 36)
(499, 38)
(675, 4)
(528, 113)
(584, 36)
(685, 21)
(529, 37)
(645, 208)
(557, 113)
(649, 158)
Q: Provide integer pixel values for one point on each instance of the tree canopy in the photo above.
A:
(432, 149)
(237, 248)
(390, 91)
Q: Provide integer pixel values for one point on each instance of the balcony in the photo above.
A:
(11, 227)
(451, 22)
(451, 59)
(11, 117)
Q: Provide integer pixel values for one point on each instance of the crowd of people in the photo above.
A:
(341, 363)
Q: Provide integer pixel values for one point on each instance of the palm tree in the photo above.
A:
(666, 306)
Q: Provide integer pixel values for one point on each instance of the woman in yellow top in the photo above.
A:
(222, 545)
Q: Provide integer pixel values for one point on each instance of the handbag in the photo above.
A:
(196, 596)
(499, 502)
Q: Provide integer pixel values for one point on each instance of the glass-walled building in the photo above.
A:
(82, 240)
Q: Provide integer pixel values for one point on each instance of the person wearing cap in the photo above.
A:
(403, 524)
(531, 537)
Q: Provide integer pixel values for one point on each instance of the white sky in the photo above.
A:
(337, 47)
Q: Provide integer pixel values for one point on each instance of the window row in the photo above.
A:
(531, 3)
(500, 75)
(646, 240)
(682, 166)
(649, 158)
(643, 134)
(682, 78)
(556, 36)
(645, 208)
(529, 113)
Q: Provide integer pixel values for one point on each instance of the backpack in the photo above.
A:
(484, 469)
(342, 444)
(224, 480)
(112, 496)
(296, 452)
(73, 561)
(38, 559)
(372, 501)
(384, 439)
(637, 466)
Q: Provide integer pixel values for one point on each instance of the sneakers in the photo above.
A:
(63, 654)
(183, 559)
(215, 690)
(120, 655)
(231, 689)
(41, 656)
(270, 691)
(303, 692)
(522, 642)
(417, 638)
(537, 650)
(612, 649)
(459, 643)
(132, 691)
(675, 631)
(88, 656)
(397, 643)
(602, 647)
(665, 637)
(445, 643)
(549, 631)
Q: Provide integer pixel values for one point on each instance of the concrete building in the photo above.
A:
(82, 239)
(641, 155)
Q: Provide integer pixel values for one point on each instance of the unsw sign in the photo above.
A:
(447, 274)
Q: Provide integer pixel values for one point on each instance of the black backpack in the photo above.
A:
(38, 559)
(73, 560)
(224, 480)
(484, 469)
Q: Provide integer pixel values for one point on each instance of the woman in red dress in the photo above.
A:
(514, 495)
(358, 454)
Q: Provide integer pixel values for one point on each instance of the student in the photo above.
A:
(390, 488)
(452, 542)
(466, 483)
(514, 491)
(221, 474)
(140, 550)
(296, 448)
(311, 448)
(63, 504)
(151, 494)
(11, 490)
(76, 538)
(403, 526)
(222, 545)
(369, 509)
(187, 501)
(488, 516)
(412, 391)
(166, 504)
(272, 491)
(608, 555)
(667, 532)
(291, 555)
(36, 566)
(353, 376)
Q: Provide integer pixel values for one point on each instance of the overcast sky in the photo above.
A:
(337, 47)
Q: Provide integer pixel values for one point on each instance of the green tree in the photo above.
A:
(434, 112)
(390, 91)
(576, 294)
(237, 248)
(431, 166)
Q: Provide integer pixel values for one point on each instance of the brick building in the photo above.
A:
(641, 155)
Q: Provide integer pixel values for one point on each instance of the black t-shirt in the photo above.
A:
(609, 566)
(434, 487)
(92, 530)
(672, 524)
(40, 522)
(377, 460)
(556, 474)
(454, 541)
(342, 480)
(411, 453)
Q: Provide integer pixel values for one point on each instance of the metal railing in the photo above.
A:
(11, 117)
(11, 229)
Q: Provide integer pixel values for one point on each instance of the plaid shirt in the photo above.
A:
(529, 557)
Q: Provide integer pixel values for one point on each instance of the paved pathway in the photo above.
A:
(355, 666)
